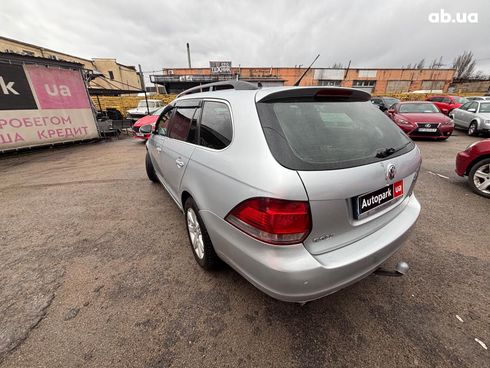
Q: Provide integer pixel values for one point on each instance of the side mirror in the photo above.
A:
(391, 111)
(472, 110)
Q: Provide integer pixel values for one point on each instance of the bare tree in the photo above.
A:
(479, 75)
(337, 66)
(436, 63)
(420, 64)
(465, 65)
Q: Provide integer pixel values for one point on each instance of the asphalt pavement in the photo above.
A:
(96, 271)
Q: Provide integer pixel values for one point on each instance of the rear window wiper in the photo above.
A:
(385, 152)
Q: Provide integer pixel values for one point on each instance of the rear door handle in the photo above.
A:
(179, 162)
(159, 149)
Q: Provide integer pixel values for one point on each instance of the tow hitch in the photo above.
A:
(401, 269)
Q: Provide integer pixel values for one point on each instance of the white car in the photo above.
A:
(143, 109)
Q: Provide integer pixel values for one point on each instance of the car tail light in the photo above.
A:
(274, 221)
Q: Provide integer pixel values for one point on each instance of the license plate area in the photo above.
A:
(369, 203)
(428, 130)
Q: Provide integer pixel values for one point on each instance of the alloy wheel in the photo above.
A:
(481, 179)
(195, 233)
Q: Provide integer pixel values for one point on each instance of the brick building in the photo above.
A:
(118, 77)
(375, 81)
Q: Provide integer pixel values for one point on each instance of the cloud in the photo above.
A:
(251, 33)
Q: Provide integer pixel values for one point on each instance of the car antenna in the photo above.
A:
(306, 71)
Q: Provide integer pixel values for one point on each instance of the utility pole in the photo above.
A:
(189, 55)
(142, 78)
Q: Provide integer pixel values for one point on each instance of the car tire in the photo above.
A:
(483, 167)
(200, 242)
(473, 130)
(150, 170)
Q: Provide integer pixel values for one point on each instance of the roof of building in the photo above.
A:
(313, 68)
(63, 53)
(15, 58)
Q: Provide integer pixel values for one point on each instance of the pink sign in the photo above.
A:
(58, 88)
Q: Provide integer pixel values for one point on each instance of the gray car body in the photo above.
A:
(339, 250)
(463, 118)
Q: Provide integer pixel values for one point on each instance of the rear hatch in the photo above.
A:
(357, 167)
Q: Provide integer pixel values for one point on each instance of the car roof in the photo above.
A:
(264, 92)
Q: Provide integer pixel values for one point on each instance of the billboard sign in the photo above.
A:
(41, 105)
(220, 67)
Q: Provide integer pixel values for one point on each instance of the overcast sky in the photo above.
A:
(251, 33)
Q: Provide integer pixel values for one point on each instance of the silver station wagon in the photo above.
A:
(303, 191)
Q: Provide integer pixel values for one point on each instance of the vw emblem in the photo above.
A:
(427, 125)
(391, 172)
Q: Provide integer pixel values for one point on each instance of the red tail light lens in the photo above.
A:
(274, 221)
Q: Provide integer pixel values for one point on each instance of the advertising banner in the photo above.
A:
(220, 67)
(41, 105)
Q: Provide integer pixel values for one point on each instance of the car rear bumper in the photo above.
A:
(291, 273)
(142, 136)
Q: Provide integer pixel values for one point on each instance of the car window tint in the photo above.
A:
(465, 106)
(162, 123)
(485, 107)
(328, 135)
(181, 123)
(215, 129)
(446, 100)
(192, 136)
(473, 105)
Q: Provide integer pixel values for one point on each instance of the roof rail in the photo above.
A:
(216, 86)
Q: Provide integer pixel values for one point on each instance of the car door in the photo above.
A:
(158, 139)
(436, 101)
(458, 114)
(178, 148)
(470, 114)
(444, 105)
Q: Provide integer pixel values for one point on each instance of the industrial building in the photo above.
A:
(118, 78)
(375, 81)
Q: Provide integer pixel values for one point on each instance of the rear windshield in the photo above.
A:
(317, 135)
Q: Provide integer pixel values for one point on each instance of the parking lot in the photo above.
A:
(97, 272)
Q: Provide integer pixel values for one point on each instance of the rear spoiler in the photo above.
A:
(329, 94)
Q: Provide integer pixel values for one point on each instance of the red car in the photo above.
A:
(447, 103)
(474, 162)
(142, 127)
(421, 120)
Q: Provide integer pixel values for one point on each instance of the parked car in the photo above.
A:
(421, 120)
(303, 190)
(474, 162)
(474, 116)
(142, 109)
(143, 127)
(384, 103)
(447, 103)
